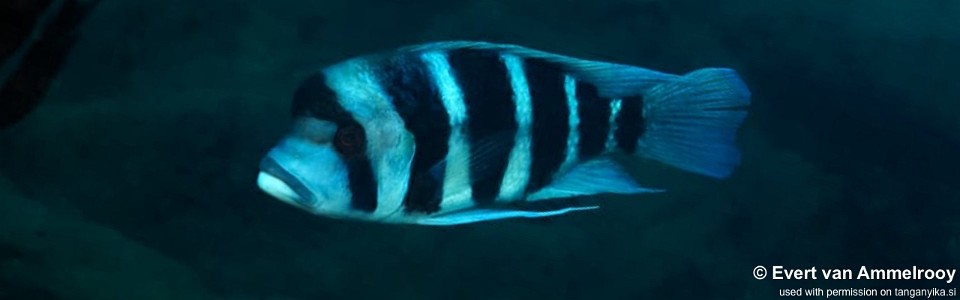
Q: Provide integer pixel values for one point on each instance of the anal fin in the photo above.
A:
(600, 176)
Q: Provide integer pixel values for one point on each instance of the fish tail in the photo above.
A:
(691, 121)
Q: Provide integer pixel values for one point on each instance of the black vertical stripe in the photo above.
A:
(407, 81)
(314, 99)
(483, 79)
(551, 124)
(630, 124)
(594, 120)
(363, 185)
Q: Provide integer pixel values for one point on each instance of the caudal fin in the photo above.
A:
(692, 121)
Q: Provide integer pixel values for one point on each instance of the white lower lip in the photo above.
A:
(277, 188)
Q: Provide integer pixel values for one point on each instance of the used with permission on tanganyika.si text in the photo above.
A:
(869, 292)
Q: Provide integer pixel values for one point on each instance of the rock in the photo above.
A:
(52, 254)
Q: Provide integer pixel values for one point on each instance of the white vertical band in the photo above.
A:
(611, 136)
(457, 192)
(517, 175)
(573, 138)
(390, 146)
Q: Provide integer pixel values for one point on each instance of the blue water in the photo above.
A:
(135, 177)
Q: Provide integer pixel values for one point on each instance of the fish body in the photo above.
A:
(459, 132)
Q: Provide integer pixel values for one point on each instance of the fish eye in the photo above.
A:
(350, 140)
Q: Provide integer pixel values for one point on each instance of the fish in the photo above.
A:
(460, 132)
(35, 43)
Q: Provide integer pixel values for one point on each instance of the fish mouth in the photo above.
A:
(276, 188)
(278, 182)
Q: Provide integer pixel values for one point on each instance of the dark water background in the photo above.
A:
(135, 178)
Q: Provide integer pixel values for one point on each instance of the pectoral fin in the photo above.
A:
(483, 154)
(480, 215)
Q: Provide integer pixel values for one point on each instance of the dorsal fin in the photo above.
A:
(611, 79)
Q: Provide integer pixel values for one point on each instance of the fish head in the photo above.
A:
(305, 170)
(347, 155)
